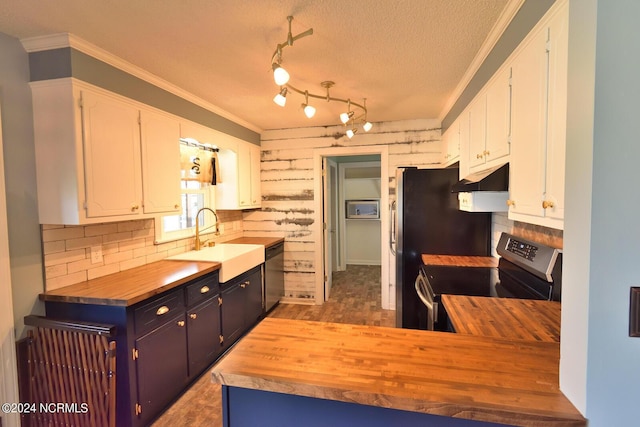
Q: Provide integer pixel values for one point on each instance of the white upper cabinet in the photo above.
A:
(89, 156)
(111, 155)
(160, 135)
(499, 116)
(478, 131)
(539, 124)
(490, 123)
(451, 144)
(240, 186)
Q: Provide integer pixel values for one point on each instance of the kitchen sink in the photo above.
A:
(235, 258)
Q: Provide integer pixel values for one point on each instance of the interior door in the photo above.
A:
(328, 228)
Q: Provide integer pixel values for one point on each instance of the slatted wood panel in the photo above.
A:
(287, 177)
(73, 369)
(481, 378)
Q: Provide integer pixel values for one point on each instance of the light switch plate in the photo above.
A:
(634, 312)
(96, 254)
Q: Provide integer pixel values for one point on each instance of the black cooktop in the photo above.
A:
(483, 281)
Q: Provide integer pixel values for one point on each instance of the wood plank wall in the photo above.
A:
(287, 176)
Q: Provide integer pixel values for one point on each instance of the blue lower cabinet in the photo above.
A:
(245, 407)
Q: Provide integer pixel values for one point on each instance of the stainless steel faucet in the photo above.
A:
(198, 243)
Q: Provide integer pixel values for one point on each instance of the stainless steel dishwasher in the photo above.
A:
(273, 276)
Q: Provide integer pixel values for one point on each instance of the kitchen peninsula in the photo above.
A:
(289, 372)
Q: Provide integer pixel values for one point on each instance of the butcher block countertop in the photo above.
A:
(515, 319)
(455, 375)
(131, 286)
(266, 241)
(461, 261)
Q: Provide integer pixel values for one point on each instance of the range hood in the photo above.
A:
(492, 179)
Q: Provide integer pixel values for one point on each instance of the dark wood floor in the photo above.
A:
(355, 298)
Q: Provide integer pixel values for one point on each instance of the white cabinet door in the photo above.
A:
(557, 115)
(244, 175)
(538, 134)
(249, 175)
(256, 191)
(111, 156)
(465, 154)
(451, 144)
(160, 142)
(477, 131)
(498, 116)
(528, 115)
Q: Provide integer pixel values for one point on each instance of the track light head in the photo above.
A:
(281, 97)
(345, 117)
(351, 132)
(280, 75)
(309, 110)
(367, 126)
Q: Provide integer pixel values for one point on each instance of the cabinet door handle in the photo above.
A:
(243, 285)
(180, 323)
(546, 204)
(204, 289)
(478, 156)
(194, 316)
(162, 310)
(511, 202)
(134, 208)
(176, 206)
(487, 153)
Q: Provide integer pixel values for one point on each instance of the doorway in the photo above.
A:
(332, 250)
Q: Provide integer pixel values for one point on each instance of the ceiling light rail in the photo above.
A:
(282, 77)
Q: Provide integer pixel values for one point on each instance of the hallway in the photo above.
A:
(355, 298)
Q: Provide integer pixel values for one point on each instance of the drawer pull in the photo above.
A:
(547, 204)
(194, 316)
(162, 310)
(180, 322)
(204, 289)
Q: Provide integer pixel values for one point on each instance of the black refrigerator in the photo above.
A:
(426, 220)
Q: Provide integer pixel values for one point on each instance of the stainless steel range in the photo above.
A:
(526, 270)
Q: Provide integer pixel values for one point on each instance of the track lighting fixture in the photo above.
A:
(281, 77)
(281, 97)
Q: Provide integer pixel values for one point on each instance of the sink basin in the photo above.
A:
(235, 258)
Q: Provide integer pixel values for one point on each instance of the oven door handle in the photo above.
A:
(426, 295)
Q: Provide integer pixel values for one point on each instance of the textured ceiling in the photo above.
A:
(406, 57)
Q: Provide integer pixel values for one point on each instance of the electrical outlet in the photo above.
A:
(96, 254)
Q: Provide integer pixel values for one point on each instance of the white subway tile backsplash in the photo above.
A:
(103, 270)
(124, 245)
(63, 233)
(62, 281)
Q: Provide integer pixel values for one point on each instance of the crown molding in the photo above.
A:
(510, 10)
(63, 40)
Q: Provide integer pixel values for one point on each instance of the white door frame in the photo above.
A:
(318, 155)
(8, 365)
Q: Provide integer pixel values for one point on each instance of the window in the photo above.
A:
(195, 196)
